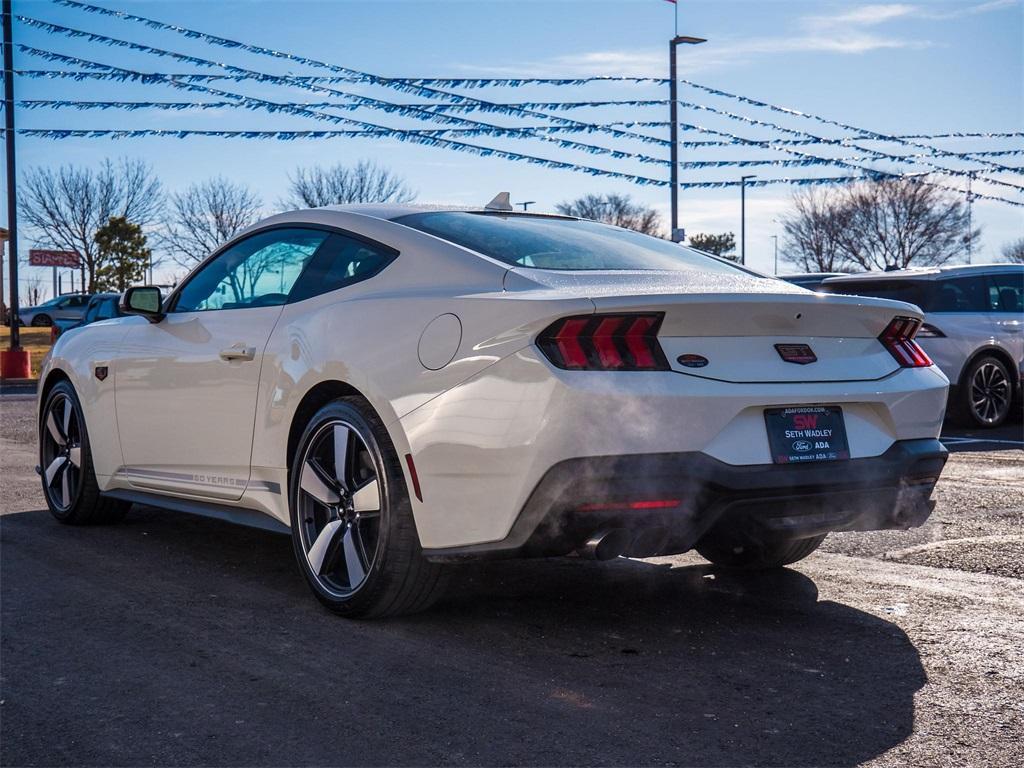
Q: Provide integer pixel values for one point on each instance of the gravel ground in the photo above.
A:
(172, 639)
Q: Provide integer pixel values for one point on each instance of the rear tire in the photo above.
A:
(353, 531)
(65, 459)
(734, 552)
(985, 397)
(41, 320)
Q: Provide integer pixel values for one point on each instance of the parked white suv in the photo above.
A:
(974, 329)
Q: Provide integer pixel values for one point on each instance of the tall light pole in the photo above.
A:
(673, 109)
(743, 216)
(776, 239)
(12, 205)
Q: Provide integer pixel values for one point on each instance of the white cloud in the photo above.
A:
(865, 15)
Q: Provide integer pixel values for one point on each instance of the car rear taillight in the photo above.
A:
(620, 342)
(898, 339)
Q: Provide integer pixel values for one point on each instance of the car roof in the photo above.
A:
(926, 273)
(392, 211)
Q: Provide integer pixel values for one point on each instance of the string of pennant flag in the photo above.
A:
(861, 150)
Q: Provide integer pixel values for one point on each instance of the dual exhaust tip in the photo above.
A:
(615, 542)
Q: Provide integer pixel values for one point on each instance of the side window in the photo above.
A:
(962, 294)
(1006, 292)
(62, 304)
(342, 261)
(106, 309)
(260, 271)
(79, 301)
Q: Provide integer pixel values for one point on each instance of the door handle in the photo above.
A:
(238, 352)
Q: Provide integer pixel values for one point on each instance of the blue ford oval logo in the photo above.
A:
(801, 445)
(692, 361)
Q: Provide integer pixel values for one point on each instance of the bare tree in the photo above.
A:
(65, 206)
(364, 182)
(33, 283)
(812, 232)
(615, 209)
(206, 215)
(897, 223)
(1014, 251)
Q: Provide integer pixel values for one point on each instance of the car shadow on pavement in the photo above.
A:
(175, 639)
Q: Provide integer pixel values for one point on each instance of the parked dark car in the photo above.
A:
(102, 306)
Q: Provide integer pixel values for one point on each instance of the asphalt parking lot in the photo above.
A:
(172, 639)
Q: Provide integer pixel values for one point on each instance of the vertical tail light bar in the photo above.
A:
(612, 342)
(898, 339)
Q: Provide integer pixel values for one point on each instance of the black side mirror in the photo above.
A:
(144, 300)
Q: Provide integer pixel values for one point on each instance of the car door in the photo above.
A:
(186, 386)
(71, 307)
(1007, 300)
(957, 322)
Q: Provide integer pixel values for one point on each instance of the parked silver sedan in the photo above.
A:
(70, 306)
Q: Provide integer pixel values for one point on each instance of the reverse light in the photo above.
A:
(613, 342)
(898, 339)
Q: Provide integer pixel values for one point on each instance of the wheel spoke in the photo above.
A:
(341, 442)
(367, 498)
(313, 483)
(65, 486)
(318, 552)
(75, 456)
(54, 430)
(67, 418)
(356, 571)
(52, 470)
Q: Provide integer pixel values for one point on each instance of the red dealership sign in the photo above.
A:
(43, 258)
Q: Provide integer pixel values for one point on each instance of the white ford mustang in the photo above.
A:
(404, 387)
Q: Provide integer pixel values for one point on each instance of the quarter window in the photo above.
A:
(342, 261)
(260, 271)
(1006, 292)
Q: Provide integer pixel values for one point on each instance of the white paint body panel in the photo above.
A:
(485, 427)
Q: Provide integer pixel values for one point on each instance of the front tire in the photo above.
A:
(65, 461)
(353, 532)
(733, 552)
(41, 320)
(986, 394)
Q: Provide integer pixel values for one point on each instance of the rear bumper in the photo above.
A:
(679, 497)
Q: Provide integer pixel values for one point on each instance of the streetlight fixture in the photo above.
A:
(743, 216)
(527, 203)
(677, 234)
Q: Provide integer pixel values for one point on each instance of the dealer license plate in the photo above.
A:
(806, 433)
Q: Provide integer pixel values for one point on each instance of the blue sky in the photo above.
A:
(921, 67)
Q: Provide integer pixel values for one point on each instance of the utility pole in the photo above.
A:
(14, 362)
(676, 234)
(776, 239)
(970, 215)
(743, 217)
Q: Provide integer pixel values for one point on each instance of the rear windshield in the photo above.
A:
(550, 243)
